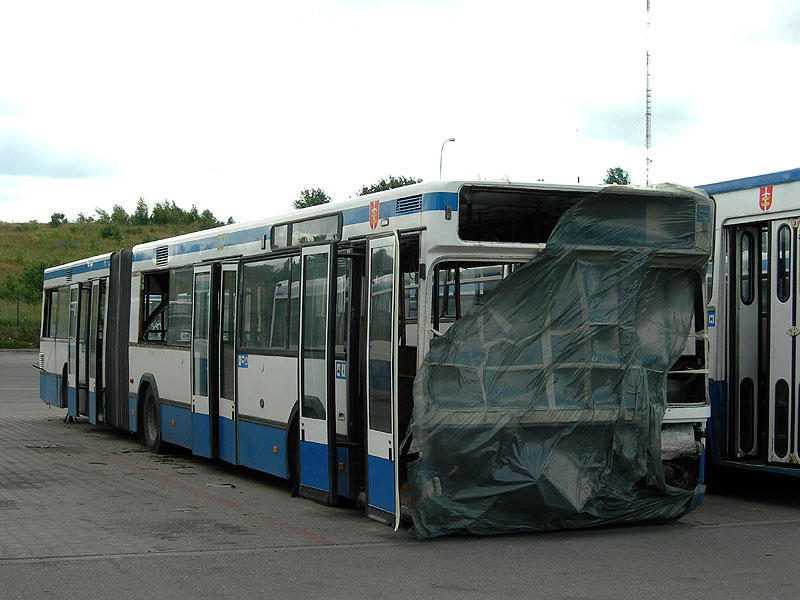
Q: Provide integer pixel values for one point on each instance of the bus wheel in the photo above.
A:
(151, 425)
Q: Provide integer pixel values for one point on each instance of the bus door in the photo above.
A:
(783, 376)
(745, 297)
(82, 351)
(383, 494)
(316, 371)
(73, 359)
(95, 344)
(204, 420)
(227, 363)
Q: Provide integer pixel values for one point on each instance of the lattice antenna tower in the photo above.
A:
(648, 104)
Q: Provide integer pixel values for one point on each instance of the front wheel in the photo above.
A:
(151, 423)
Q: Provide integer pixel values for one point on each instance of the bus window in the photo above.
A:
(155, 300)
(179, 324)
(62, 324)
(746, 269)
(784, 266)
(266, 288)
(462, 285)
(342, 307)
(294, 304)
(50, 313)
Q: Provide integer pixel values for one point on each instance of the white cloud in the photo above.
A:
(237, 107)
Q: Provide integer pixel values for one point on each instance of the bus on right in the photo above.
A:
(753, 324)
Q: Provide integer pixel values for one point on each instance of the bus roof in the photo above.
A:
(755, 181)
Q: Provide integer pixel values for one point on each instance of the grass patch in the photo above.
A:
(22, 335)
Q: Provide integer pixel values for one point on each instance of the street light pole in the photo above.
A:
(440, 155)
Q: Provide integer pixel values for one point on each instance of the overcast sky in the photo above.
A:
(237, 106)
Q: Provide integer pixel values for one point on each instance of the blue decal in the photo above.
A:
(712, 319)
(341, 369)
(243, 361)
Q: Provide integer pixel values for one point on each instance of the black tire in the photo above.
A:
(151, 424)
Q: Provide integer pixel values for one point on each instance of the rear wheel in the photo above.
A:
(151, 423)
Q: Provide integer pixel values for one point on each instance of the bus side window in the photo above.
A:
(50, 313)
(62, 316)
(155, 302)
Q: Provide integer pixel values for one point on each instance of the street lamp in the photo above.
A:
(440, 155)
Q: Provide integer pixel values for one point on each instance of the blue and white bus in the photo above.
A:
(753, 323)
(290, 345)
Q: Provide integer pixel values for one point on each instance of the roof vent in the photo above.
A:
(69, 274)
(162, 256)
(409, 205)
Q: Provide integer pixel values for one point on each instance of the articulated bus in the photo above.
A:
(291, 345)
(753, 323)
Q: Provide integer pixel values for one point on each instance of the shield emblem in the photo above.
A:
(374, 210)
(765, 198)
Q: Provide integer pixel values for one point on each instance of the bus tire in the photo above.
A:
(151, 424)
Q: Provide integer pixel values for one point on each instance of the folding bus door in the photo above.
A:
(745, 300)
(84, 306)
(203, 421)
(72, 352)
(316, 371)
(383, 494)
(95, 351)
(227, 363)
(783, 348)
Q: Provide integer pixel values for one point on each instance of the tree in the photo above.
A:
(311, 197)
(141, 216)
(57, 219)
(119, 216)
(102, 216)
(617, 175)
(388, 184)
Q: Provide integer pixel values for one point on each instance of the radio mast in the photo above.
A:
(648, 107)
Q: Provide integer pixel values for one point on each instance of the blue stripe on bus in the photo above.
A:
(133, 423)
(257, 445)
(351, 216)
(78, 269)
(388, 209)
(227, 440)
(751, 182)
(234, 238)
(49, 388)
(176, 424)
(201, 435)
(314, 465)
(92, 408)
(342, 474)
(72, 402)
(380, 478)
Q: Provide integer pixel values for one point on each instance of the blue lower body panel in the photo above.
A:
(92, 408)
(342, 473)
(201, 435)
(50, 389)
(380, 477)
(263, 448)
(717, 425)
(176, 425)
(133, 423)
(72, 402)
(227, 440)
(314, 465)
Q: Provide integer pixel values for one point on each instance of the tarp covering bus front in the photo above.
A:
(542, 407)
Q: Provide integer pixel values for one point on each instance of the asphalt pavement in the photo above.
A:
(87, 512)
